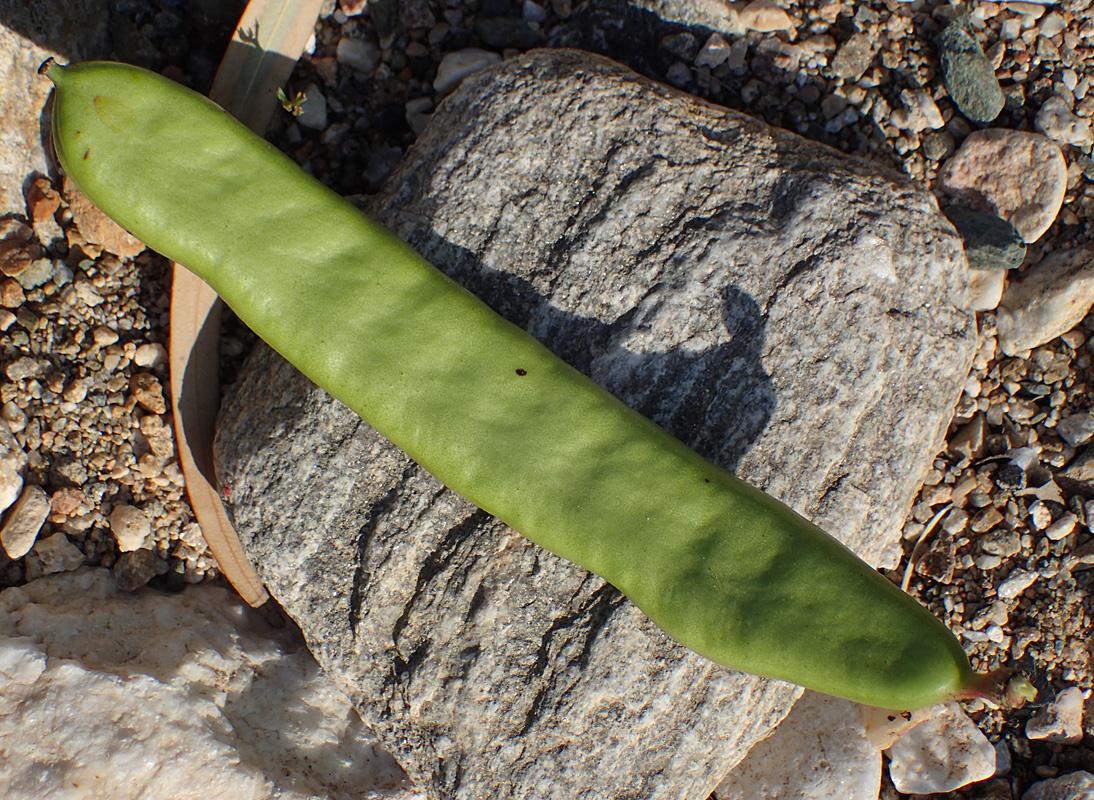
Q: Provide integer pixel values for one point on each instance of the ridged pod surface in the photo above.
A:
(723, 568)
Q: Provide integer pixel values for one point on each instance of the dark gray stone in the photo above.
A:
(970, 79)
(499, 33)
(134, 569)
(990, 241)
(789, 312)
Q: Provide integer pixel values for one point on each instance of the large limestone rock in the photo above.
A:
(149, 696)
(793, 314)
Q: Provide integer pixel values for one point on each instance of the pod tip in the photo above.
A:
(1004, 688)
(50, 68)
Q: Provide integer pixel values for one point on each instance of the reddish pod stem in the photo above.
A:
(1004, 688)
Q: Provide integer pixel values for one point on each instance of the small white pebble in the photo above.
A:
(150, 355)
(1040, 516)
(1061, 721)
(941, 753)
(1052, 25)
(130, 527)
(1061, 528)
(1016, 583)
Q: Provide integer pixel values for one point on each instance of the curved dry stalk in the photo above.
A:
(267, 42)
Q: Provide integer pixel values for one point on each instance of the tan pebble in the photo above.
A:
(66, 500)
(936, 495)
(969, 439)
(149, 466)
(1061, 528)
(1073, 339)
(42, 200)
(87, 294)
(25, 520)
(14, 416)
(130, 526)
(56, 554)
(193, 575)
(829, 10)
(148, 392)
(764, 16)
(1033, 11)
(103, 335)
(962, 490)
(76, 392)
(97, 227)
(11, 294)
(1019, 176)
(7, 319)
(55, 382)
(1061, 721)
(1050, 299)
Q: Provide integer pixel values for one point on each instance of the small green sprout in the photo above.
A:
(295, 106)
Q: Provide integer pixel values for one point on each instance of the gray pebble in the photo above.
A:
(1004, 543)
(682, 45)
(937, 145)
(362, 55)
(499, 33)
(990, 241)
(134, 569)
(1010, 476)
(970, 79)
(1076, 429)
(854, 57)
(39, 271)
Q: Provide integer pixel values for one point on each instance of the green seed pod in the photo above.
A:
(722, 567)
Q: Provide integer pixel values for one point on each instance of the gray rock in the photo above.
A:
(968, 74)
(791, 313)
(990, 241)
(854, 56)
(1073, 786)
(313, 111)
(1081, 467)
(362, 55)
(134, 569)
(1076, 429)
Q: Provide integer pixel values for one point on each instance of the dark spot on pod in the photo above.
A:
(87, 153)
(522, 372)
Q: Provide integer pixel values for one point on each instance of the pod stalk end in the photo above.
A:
(50, 68)
(1004, 688)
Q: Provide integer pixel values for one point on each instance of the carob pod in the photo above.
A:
(723, 568)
